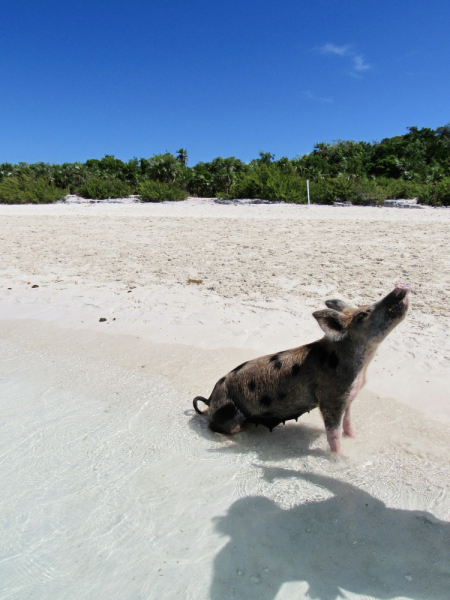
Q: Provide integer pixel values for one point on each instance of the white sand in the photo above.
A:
(113, 488)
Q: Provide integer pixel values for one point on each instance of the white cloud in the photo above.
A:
(310, 96)
(359, 63)
(333, 49)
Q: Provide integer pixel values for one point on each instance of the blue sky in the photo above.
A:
(131, 78)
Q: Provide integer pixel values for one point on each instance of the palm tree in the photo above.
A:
(182, 156)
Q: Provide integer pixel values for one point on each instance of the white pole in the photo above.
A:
(307, 187)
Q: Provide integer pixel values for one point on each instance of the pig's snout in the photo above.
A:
(399, 295)
(401, 292)
(397, 299)
(402, 288)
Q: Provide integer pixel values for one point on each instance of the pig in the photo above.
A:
(326, 374)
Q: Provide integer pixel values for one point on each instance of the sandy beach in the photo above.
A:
(112, 487)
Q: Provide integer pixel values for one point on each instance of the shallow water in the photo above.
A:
(113, 488)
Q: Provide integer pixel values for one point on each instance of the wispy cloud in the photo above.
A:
(358, 62)
(310, 96)
(360, 65)
(333, 49)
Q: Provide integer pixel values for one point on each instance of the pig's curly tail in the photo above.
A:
(200, 399)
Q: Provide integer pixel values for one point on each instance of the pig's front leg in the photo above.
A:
(333, 414)
(334, 437)
(347, 423)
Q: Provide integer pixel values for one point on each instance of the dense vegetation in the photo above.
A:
(416, 164)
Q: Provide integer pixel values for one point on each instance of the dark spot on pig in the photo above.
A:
(333, 360)
(234, 396)
(265, 400)
(321, 354)
(221, 381)
(225, 413)
(237, 369)
(274, 358)
(251, 385)
(295, 369)
(282, 396)
(278, 365)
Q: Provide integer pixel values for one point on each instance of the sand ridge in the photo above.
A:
(237, 251)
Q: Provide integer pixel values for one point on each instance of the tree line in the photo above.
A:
(416, 164)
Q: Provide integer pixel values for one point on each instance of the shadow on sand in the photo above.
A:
(350, 542)
(282, 443)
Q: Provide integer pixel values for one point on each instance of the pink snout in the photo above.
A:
(402, 290)
(403, 286)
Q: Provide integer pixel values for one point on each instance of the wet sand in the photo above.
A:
(113, 487)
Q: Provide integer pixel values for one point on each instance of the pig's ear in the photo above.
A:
(338, 305)
(331, 322)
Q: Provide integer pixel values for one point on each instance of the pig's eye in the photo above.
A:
(362, 317)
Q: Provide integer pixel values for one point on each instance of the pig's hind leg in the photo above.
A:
(227, 419)
(347, 423)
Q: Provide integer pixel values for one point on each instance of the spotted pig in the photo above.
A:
(326, 374)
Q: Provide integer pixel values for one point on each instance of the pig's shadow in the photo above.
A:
(284, 442)
(350, 542)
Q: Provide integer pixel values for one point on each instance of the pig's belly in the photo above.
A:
(283, 410)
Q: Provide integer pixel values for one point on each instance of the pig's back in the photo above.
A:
(273, 388)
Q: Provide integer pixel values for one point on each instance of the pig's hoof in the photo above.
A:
(350, 433)
(226, 439)
(338, 456)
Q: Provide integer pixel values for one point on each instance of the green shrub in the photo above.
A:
(18, 190)
(345, 189)
(321, 192)
(100, 189)
(329, 190)
(268, 182)
(165, 168)
(367, 191)
(158, 191)
(443, 192)
(436, 194)
(362, 190)
(399, 188)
